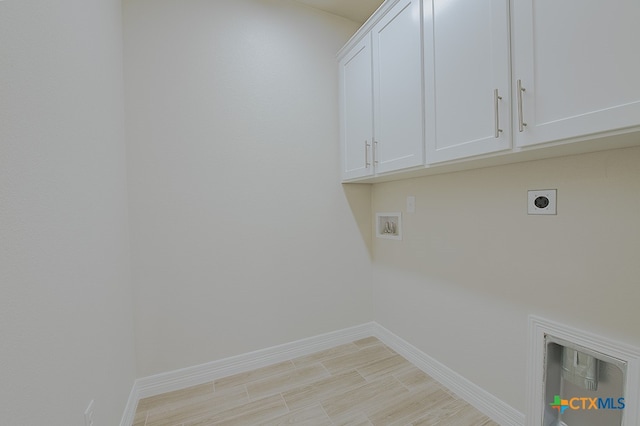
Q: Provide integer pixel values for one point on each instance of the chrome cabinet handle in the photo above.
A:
(375, 151)
(496, 112)
(521, 122)
(366, 154)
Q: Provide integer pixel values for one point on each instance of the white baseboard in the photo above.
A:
(199, 374)
(485, 402)
(130, 409)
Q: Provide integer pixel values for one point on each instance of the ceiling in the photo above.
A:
(356, 10)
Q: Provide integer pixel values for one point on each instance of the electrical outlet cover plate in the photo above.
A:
(542, 201)
(411, 204)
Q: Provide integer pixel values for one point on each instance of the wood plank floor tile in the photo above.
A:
(355, 419)
(367, 341)
(251, 413)
(310, 416)
(357, 359)
(467, 415)
(178, 395)
(253, 375)
(197, 406)
(326, 354)
(323, 388)
(366, 396)
(383, 367)
(453, 413)
(412, 377)
(403, 410)
(282, 382)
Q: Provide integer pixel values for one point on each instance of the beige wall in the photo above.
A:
(66, 321)
(243, 237)
(473, 265)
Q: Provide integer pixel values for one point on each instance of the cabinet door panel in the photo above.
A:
(579, 64)
(398, 88)
(466, 60)
(356, 109)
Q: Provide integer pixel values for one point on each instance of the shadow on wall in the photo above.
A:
(359, 198)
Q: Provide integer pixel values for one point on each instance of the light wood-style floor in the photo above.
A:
(360, 383)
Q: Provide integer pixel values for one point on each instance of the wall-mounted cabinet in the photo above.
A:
(577, 64)
(381, 94)
(500, 80)
(467, 75)
(398, 89)
(356, 110)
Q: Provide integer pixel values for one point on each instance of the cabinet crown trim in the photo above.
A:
(366, 27)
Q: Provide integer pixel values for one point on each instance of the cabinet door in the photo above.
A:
(579, 65)
(468, 109)
(398, 90)
(356, 111)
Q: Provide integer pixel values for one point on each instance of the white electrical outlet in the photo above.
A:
(88, 415)
(542, 201)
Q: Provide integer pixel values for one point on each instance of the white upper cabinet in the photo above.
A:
(356, 111)
(398, 89)
(432, 82)
(381, 93)
(578, 64)
(467, 78)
